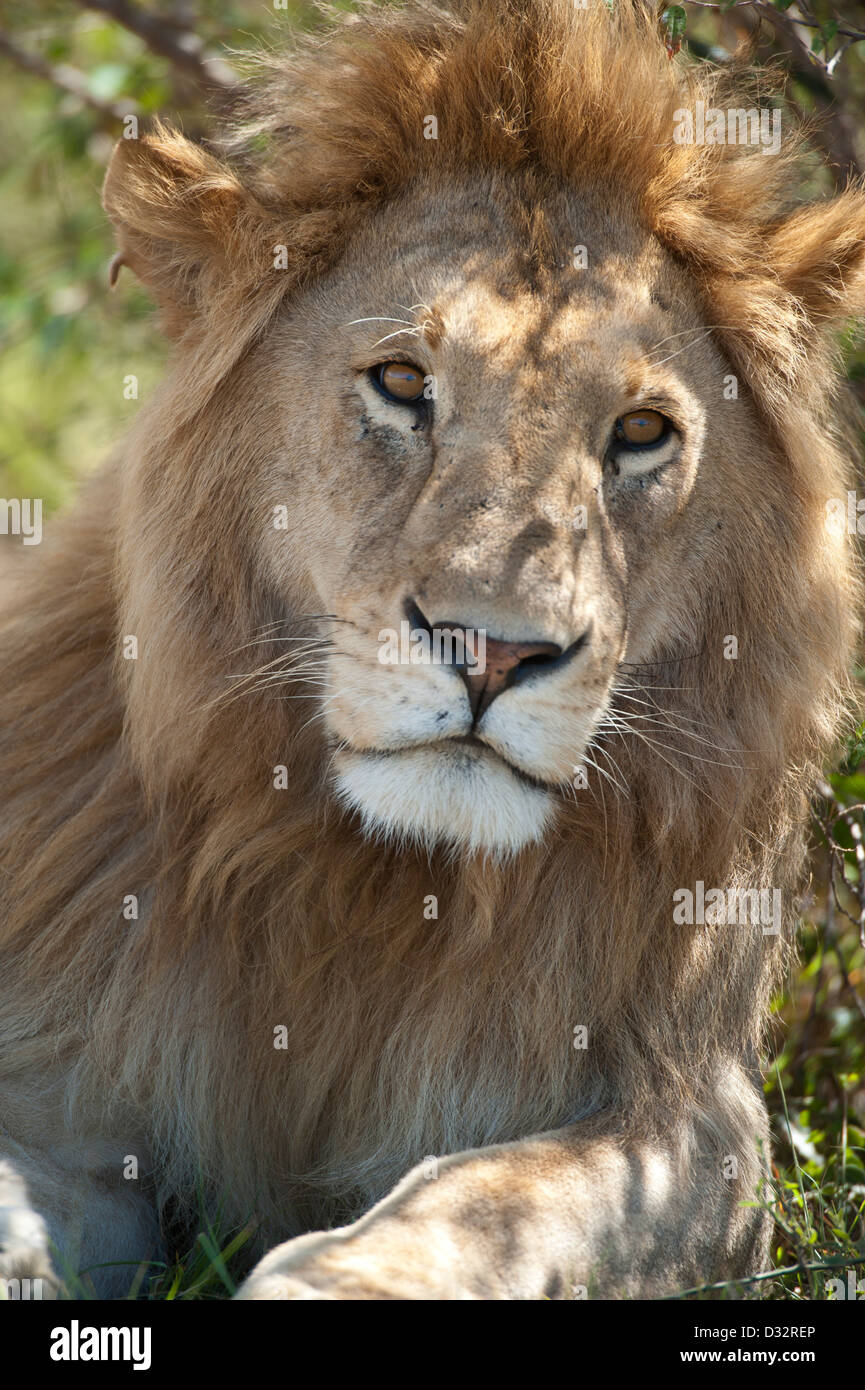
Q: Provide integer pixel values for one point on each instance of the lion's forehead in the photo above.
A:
(489, 268)
(484, 326)
(525, 326)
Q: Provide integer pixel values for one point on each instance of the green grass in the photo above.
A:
(212, 1267)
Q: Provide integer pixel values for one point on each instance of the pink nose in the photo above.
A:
(506, 663)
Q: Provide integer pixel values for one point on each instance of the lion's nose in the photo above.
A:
(506, 664)
(490, 665)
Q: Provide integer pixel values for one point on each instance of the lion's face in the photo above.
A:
(538, 490)
(588, 485)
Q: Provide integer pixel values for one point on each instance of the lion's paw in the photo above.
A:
(353, 1267)
(276, 1287)
(25, 1265)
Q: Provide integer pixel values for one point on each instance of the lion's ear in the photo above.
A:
(781, 311)
(185, 224)
(817, 254)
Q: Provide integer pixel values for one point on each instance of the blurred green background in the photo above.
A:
(69, 72)
(66, 342)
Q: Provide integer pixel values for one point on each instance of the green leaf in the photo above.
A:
(675, 21)
(824, 36)
(854, 750)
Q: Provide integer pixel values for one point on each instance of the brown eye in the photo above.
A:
(642, 427)
(400, 382)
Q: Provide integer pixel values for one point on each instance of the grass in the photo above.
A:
(211, 1268)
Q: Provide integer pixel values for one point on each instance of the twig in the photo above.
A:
(167, 38)
(833, 902)
(856, 836)
(66, 78)
(835, 132)
(767, 9)
(841, 1262)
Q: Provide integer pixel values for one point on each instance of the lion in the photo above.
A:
(451, 975)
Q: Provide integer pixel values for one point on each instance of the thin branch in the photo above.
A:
(833, 902)
(66, 78)
(841, 1262)
(167, 38)
(835, 131)
(765, 7)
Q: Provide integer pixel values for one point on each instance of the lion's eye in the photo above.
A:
(399, 382)
(640, 428)
(643, 442)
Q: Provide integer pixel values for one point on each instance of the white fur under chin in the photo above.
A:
(461, 797)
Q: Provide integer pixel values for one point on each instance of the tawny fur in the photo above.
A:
(260, 908)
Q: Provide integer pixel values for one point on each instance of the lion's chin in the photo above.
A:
(449, 795)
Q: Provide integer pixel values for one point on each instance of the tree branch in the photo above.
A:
(835, 132)
(66, 78)
(167, 38)
(787, 21)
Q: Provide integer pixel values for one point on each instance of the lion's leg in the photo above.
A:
(568, 1214)
(69, 1226)
(25, 1263)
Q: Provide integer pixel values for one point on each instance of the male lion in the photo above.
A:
(464, 337)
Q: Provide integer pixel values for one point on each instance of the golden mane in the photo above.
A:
(260, 909)
(543, 88)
